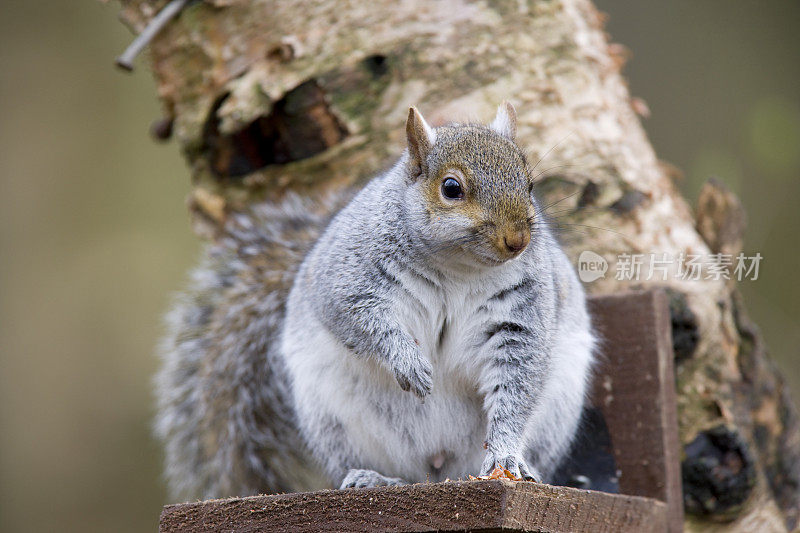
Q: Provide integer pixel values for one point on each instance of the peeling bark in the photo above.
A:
(266, 96)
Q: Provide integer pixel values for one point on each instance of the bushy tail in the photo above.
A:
(224, 412)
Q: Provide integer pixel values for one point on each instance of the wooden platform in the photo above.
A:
(635, 397)
(454, 506)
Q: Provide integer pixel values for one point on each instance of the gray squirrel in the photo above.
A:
(432, 328)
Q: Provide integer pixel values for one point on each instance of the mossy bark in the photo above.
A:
(270, 96)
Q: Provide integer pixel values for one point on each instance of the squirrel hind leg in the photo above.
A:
(358, 478)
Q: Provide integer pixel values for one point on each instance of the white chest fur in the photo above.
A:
(390, 430)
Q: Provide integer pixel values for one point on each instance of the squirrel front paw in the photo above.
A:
(514, 463)
(415, 375)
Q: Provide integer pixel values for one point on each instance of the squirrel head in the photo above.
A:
(470, 188)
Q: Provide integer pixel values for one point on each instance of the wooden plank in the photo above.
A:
(634, 389)
(451, 506)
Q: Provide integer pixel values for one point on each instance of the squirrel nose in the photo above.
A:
(515, 242)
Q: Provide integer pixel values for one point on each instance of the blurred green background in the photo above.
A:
(94, 235)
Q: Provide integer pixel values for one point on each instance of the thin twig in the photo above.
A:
(125, 61)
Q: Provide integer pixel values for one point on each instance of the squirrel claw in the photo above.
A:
(416, 379)
(515, 464)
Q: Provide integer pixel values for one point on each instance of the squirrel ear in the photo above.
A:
(505, 122)
(420, 137)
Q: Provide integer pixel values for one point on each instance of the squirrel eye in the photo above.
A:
(451, 189)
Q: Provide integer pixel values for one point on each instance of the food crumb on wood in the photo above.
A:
(498, 473)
